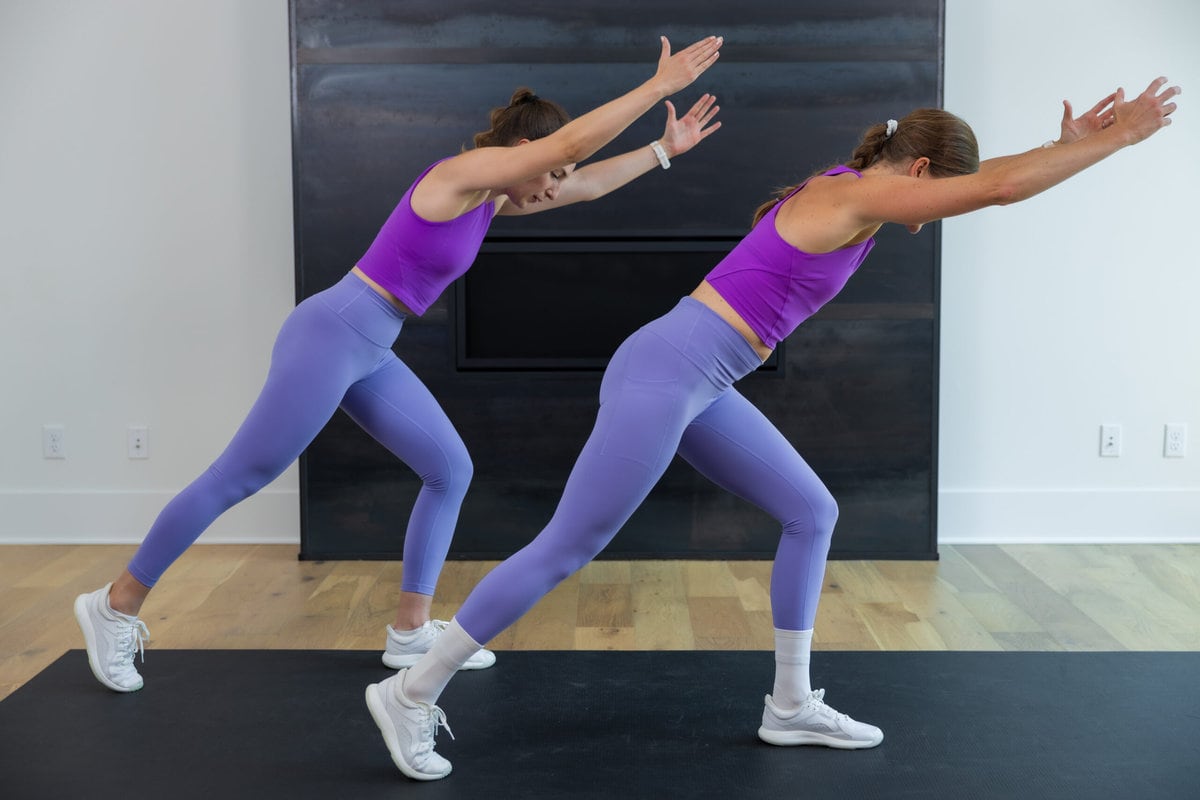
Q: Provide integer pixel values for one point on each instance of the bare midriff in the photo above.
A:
(709, 296)
(384, 293)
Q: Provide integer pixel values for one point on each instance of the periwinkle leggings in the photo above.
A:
(333, 350)
(668, 389)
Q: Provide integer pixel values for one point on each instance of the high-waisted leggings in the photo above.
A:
(333, 350)
(669, 388)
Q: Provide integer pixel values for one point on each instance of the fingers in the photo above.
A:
(709, 114)
(1161, 99)
(1154, 86)
(703, 53)
(666, 49)
(1068, 113)
(704, 109)
(670, 112)
(1169, 93)
(1103, 104)
(704, 45)
(702, 105)
(716, 126)
(708, 55)
(1148, 112)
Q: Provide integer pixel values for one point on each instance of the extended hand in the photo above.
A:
(684, 133)
(1098, 117)
(678, 71)
(1145, 114)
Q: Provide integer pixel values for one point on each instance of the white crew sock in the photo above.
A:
(792, 652)
(428, 678)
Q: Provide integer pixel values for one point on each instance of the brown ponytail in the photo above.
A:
(526, 116)
(947, 141)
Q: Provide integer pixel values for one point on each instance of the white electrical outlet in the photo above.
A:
(137, 441)
(54, 441)
(1110, 441)
(1174, 440)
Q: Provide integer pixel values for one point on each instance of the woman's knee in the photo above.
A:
(825, 512)
(816, 517)
(233, 484)
(454, 472)
(562, 554)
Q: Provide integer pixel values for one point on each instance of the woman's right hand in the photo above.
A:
(1144, 115)
(677, 71)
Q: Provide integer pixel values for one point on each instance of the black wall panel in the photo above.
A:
(382, 89)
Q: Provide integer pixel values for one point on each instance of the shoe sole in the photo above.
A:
(89, 637)
(406, 661)
(376, 705)
(793, 738)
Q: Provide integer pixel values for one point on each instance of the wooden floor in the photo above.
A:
(980, 597)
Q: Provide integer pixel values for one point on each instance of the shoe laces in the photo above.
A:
(431, 719)
(132, 639)
(816, 700)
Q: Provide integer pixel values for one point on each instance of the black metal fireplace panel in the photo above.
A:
(514, 351)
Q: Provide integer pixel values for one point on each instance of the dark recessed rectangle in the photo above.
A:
(567, 305)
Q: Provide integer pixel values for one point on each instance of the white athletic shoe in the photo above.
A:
(112, 640)
(403, 650)
(815, 723)
(408, 729)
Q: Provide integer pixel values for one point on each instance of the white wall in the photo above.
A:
(145, 254)
(146, 263)
(1077, 307)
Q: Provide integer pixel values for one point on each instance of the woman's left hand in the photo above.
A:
(1097, 118)
(686, 132)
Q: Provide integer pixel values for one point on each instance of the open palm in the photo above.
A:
(683, 133)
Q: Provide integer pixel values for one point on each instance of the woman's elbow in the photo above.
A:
(1005, 193)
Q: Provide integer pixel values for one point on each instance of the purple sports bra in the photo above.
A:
(775, 286)
(416, 259)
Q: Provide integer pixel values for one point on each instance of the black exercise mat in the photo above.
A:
(278, 723)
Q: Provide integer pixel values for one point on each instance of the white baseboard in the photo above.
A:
(1063, 516)
(965, 516)
(269, 517)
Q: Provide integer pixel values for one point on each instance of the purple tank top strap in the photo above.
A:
(838, 170)
(841, 168)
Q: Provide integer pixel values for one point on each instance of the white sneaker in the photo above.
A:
(403, 650)
(815, 723)
(408, 729)
(112, 640)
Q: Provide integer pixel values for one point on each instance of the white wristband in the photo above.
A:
(661, 154)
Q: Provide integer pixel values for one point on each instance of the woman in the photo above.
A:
(669, 389)
(335, 348)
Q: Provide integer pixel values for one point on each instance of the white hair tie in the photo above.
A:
(891, 128)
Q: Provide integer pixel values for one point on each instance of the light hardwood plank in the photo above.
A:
(980, 597)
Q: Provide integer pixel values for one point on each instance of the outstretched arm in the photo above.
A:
(598, 179)
(452, 186)
(1072, 128)
(1011, 179)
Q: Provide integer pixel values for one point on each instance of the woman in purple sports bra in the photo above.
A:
(334, 349)
(669, 389)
